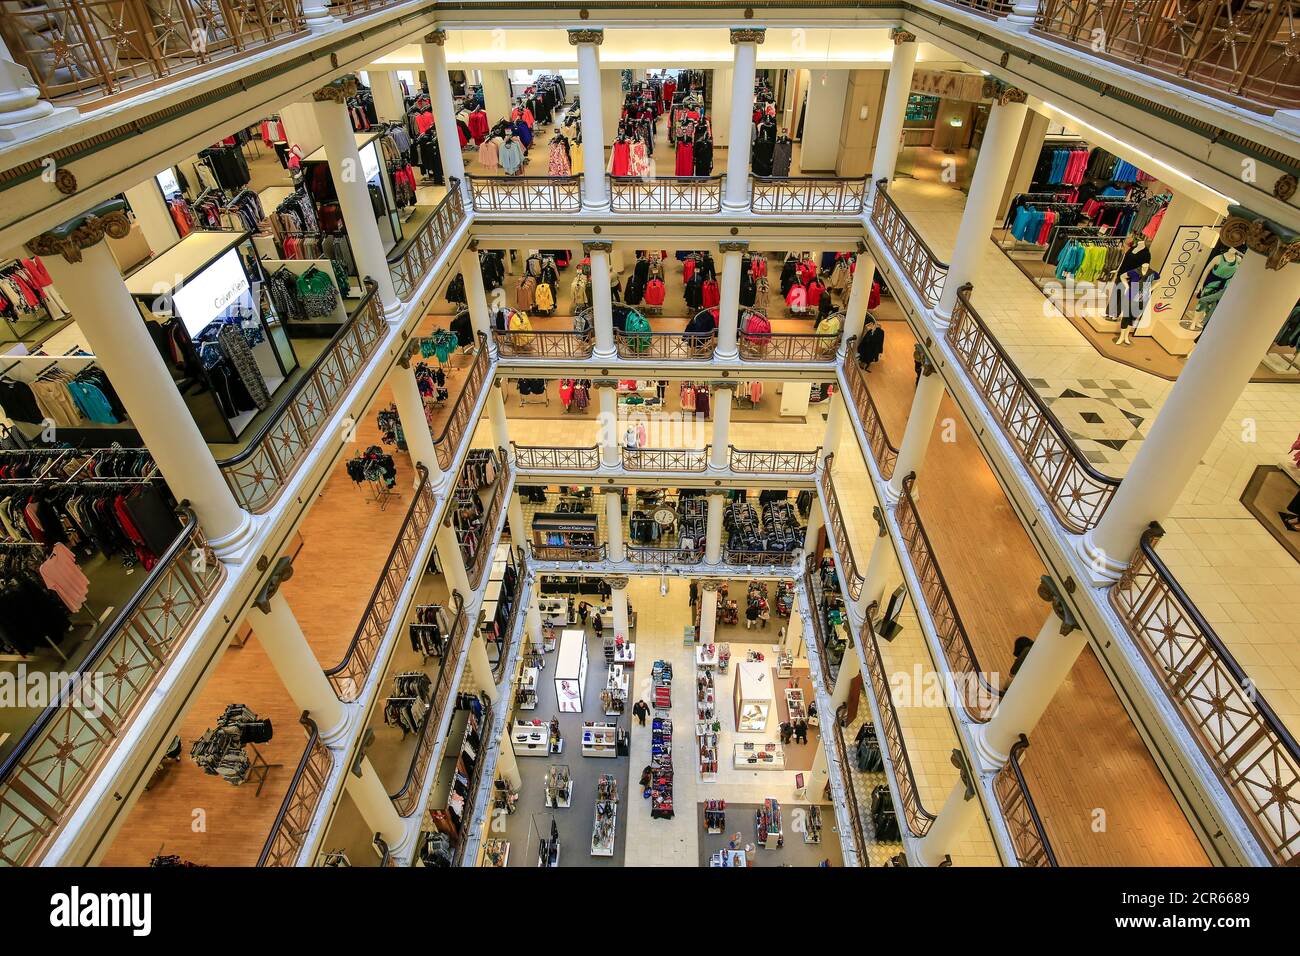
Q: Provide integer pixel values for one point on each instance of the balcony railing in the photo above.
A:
(349, 675)
(751, 462)
(816, 598)
(472, 792)
(477, 556)
(760, 559)
(914, 814)
(461, 418)
(557, 458)
(788, 346)
(41, 780)
(851, 576)
(978, 696)
(417, 257)
(885, 453)
(407, 799)
(1077, 492)
(586, 555)
(665, 345)
(1028, 838)
(924, 271)
(521, 574)
(665, 194)
(93, 49)
(347, 9)
(820, 196)
(666, 459)
(663, 557)
(851, 794)
(525, 193)
(993, 9)
(294, 820)
(548, 344)
(1246, 51)
(1238, 732)
(260, 472)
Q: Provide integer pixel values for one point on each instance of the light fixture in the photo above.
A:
(956, 121)
(862, 113)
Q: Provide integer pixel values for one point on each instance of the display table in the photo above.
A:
(706, 655)
(784, 663)
(599, 740)
(494, 853)
(729, 858)
(528, 679)
(559, 787)
(614, 697)
(794, 704)
(571, 671)
(768, 756)
(605, 826)
(753, 696)
(530, 738)
(625, 653)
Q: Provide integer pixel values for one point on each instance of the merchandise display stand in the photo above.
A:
(753, 696)
(706, 655)
(530, 738)
(571, 671)
(624, 651)
(526, 694)
(614, 697)
(661, 696)
(715, 816)
(559, 787)
(661, 769)
(784, 664)
(729, 859)
(812, 833)
(795, 705)
(765, 756)
(767, 825)
(494, 853)
(546, 834)
(599, 739)
(605, 827)
(706, 722)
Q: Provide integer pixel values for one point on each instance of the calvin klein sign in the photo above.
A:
(1179, 276)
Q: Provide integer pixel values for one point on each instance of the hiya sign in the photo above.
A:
(1179, 275)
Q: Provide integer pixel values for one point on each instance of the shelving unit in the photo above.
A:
(599, 740)
(812, 833)
(559, 787)
(529, 738)
(614, 697)
(767, 825)
(753, 696)
(494, 853)
(764, 756)
(795, 704)
(571, 671)
(715, 816)
(604, 829)
(526, 693)
(661, 696)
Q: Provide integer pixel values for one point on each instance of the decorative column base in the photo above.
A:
(1022, 15)
(233, 548)
(989, 759)
(1103, 569)
(345, 730)
(32, 121)
(731, 356)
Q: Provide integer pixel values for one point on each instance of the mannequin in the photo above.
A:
(1214, 282)
(1135, 267)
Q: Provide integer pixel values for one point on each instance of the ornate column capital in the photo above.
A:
(281, 571)
(604, 383)
(901, 36)
(963, 770)
(436, 36)
(1051, 593)
(729, 384)
(710, 585)
(920, 355)
(337, 91)
(1278, 244)
(748, 35)
(618, 582)
(108, 219)
(593, 35)
(734, 245)
(597, 245)
(861, 248)
(1002, 93)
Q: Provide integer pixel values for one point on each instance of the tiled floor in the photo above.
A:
(1242, 580)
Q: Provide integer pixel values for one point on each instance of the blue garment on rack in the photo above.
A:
(92, 403)
(524, 134)
(1071, 257)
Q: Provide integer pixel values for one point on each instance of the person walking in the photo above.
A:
(597, 625)
(583, 610)
(801, 731)
(641, 710)
(764, 615)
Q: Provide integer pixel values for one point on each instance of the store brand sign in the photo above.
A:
(1179, 275)
(949, 85)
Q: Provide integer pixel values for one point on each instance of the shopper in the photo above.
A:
(695, 593)
(764, 614)
(583, 610)
(645, 782)
(786, 731)
(641, 710)
(597, 625)
(801, 731)
(751, 615)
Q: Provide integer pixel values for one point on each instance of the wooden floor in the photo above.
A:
(1086, 762)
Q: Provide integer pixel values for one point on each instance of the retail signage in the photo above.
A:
(949, 85)
(167, 183)
(1179, 275)
(213, 292)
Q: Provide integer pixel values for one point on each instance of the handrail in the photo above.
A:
(258, 474)
(406, 799)
(813, 588)
(545, 343)
(475, 785)
(662, 557)
(789, 346)
(666, 459)
(413, 262)
(925, 271)
(687, 346)
(851, 792)
(835, 524)
(556, 457)
(915, 816)
(981, 698)
(665, 193)
(54, 760)
(293, 821)
(826, 195)
(525, 193)
(1238, 732)
(521, 573)
(753, 462)
(1028, 836)
(476, 564)
(349, 674)
(760, 559)
(385, 854)
(453, 430)
(1077, 492)
(586, 555)
(882, 449)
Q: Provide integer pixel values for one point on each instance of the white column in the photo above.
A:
(920, 425)
(729, 300)
(897, 89)
(855, 310)
(1257, 302)
(879, 570)
(518, 524)
(317, 14)
(713, 529)
(587, 42)
(745, 41)
(286, 647)
(415, 425)
(496, 95)
(614, 524)
(533, 623)
(1023, 13)
(850, 667)
(602, 301)
(720, 107)
(834, 428)
(376, 807)
(720, 452)
(151, 213)
(954, 820)
(813, 531)
(507, 765)
(108, 317)
(481, 669)
(476, 295)
(389, 104)
(340, 144)
(451, 561)
(708, 612)
(23, 114)
(794, 633)
(497, 414)
(611, 102)
(606, 391)
(618, 604)
(434, 56)
(997, 151)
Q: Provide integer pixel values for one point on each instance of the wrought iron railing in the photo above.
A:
(754, 462)
(545, 344)
(851, 795)
(666, 459)
(259, 473)
(665, 345)
(663, 557)
(416, 258)
(760, 559)
(823, 196)
(1246, 52)
(475, 784)
(839, 532)
(298, 810)
(788, 346)
(993, 9)
(477, 554)
(556, 458)
(1077, 492)
(882, 450)
(924, 271)
(979, 697)
(407, 798)
(913, 813)
(346, 9)
(521, 575)
(564, 553)
(461, 418)
(816, 598)
(525, 193)
(56, 758)
(1028, 837)
(665, 194)
(349, 675)
(1238, 732)
(93, 49)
